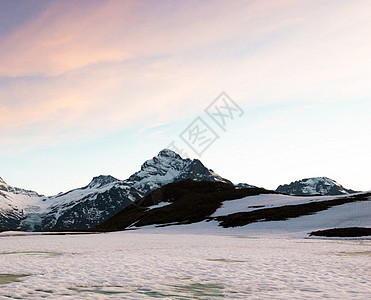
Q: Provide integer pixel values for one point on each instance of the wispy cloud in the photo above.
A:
(85, 67)
(65, 36)
(69, 35)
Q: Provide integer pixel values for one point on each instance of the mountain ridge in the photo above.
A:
(103, 197)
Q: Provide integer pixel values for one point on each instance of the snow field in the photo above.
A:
(139, 265)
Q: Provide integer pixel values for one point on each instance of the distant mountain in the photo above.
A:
(79, 208)
(102, 198)
(167, 167)
(245, 186)
(314, 186)
(101, 181)
(105, 196)
(16, 203)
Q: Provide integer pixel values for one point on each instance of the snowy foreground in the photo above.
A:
(146, 265)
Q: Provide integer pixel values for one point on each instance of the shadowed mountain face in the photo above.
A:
(314, 186)
(178, 203)
(102, 198)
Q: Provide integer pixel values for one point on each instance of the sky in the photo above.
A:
(94, 87)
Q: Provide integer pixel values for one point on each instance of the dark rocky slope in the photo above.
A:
(187, 202)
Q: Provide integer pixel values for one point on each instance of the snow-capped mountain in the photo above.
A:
(77, 208)
(244, 186)
(168, 167)
(314, 186)
(16, 203)
(105, 196)
(101, 181)
(102, 198)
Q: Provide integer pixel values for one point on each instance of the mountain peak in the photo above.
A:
(101, 180)
(165, 160)
(169, 166)
(2, 181)
(169, 153)
(314, 186)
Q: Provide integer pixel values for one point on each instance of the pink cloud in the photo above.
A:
(70, 35)
(66, 36)
(110, 64)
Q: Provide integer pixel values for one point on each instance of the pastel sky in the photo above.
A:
(91, 87)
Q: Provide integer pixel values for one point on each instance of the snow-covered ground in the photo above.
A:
(265, 201)
(145, 265)
(355, 214)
